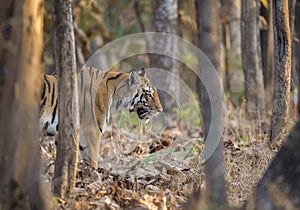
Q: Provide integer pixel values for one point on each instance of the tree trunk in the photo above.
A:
(296, 49)
(228, 59)
(280, 186)
(282, 72)
(21, 47)
(232, 17)
(292, 4)
(267, 51)
(235, 29)
(251, 57)
(208, 28)
(231, 13)
(165, 21)
(209, 42)
(68, 138)
(294, 78)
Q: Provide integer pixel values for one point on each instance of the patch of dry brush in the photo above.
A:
(160, 171)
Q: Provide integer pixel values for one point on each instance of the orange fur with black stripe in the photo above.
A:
(100, 94)
(49, 105)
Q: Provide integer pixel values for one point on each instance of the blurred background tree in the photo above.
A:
(251, 57)
(21, 47)
(208, 23)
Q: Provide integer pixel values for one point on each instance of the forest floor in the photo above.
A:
(143, 170)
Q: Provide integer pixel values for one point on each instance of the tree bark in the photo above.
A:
(267, 55)
(165, 21)
(251, 57)
(280, 185)
(228, 59)
(282, 72)
(234, 8)
(21, 47)
(292, 4)
(294, 79)
(296, 49)
(230, 17)
(209, 42)
(68, 138)
(235, 30)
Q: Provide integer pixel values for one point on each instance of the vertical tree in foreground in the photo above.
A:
(68, 139)
(282, 71)
(209, 42)
(251, 57)
(208, 32)
(21, 46)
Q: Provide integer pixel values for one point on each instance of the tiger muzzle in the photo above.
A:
(143, 113)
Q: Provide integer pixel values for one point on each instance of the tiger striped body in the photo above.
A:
(100, 94)
(49, 106)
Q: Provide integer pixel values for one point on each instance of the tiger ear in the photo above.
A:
(133, 77)
(134, 74)
(142, 72)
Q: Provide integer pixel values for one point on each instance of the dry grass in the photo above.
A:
(248, 153)
(243, 169)
(140, 170)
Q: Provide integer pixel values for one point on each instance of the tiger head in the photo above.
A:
(145, 101)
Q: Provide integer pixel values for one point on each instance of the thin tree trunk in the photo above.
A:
(282, 73)
(165, 21)
(235, 29)
(294, 79)
(296, 49)
(233, 15)
(267, 48)
(227, 56)
(21, 47)
(68, 143)
(292, 4)
(208, 32)
(251, 56)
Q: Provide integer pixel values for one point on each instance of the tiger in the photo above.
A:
(100, 93)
